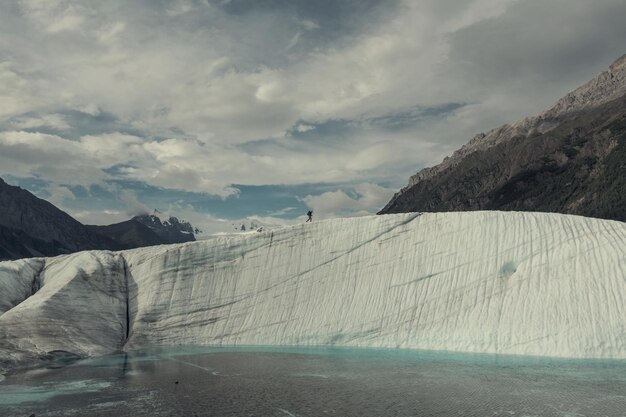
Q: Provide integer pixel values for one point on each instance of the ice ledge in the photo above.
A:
(495, 282)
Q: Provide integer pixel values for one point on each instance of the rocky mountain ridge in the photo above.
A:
(171, 230)
(33, 227)
(577, 131)
(27, 219)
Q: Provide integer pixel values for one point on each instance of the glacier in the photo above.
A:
(495, 282)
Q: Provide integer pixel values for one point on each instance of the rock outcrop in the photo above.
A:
(32, 227)
(561, 160)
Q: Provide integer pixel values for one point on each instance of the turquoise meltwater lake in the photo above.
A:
(260, 381)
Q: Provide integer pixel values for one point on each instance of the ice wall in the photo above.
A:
(78, 306)
(518, 283)
(18, 281)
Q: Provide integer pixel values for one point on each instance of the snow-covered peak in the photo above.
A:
(168, 228)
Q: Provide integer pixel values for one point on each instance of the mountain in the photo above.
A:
(537, 284)
(30, 226)
(147, 230)
(129, 234)
(16, 244)
(171, 230)
(568, 159)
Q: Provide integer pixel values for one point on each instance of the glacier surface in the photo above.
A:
(495, 282)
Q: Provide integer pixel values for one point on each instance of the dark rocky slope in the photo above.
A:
(569, 159)
(171, 230)
(147, 230)
(32, 227)
(129, 234)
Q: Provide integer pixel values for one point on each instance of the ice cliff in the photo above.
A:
(500, 282)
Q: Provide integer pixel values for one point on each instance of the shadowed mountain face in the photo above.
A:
(129, 234)
(171, 230)
(147, 230)
(16, 244)
(32, 227)
(569, 159)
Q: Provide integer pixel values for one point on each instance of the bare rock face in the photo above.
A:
(171, 230)
(30, 226)
(581, 136)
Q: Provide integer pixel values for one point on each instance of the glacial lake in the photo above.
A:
(316, 382)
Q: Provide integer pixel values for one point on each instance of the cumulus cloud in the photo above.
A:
(17, 94)
(133, 206)
(65, 161)
(99, 217)
(58, 195)
(366, 199)
(54, 121)
(55, 15)
(201, 95)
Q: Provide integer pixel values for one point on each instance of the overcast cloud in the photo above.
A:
(225, 110)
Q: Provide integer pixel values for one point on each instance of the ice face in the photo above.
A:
(515, 283)
(79, 309)
(18, 281)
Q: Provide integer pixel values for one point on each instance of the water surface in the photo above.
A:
(316, 382)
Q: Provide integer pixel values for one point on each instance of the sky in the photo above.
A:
(225, 112)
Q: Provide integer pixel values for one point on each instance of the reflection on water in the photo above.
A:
(18, 394)
(317, 381)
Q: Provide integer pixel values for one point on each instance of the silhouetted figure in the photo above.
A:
(310, 214)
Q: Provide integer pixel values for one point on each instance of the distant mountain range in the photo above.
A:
(147, 230)
(568, 159)
(31, 227)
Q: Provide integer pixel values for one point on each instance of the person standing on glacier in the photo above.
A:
(310, 214)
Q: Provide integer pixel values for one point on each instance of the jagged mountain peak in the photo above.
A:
(554, 161)
(605, 87)
(30, 226)
(619, 63)
(171, 228)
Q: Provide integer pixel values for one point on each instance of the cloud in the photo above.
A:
(293, 41)
(17, 94)
(133, 206)
(58, 195)
(309, 24)
(201, 95)
(99, 217)
(367, 199)
(54, 15)
(52, 121)
(531, 55)
(65, 161)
